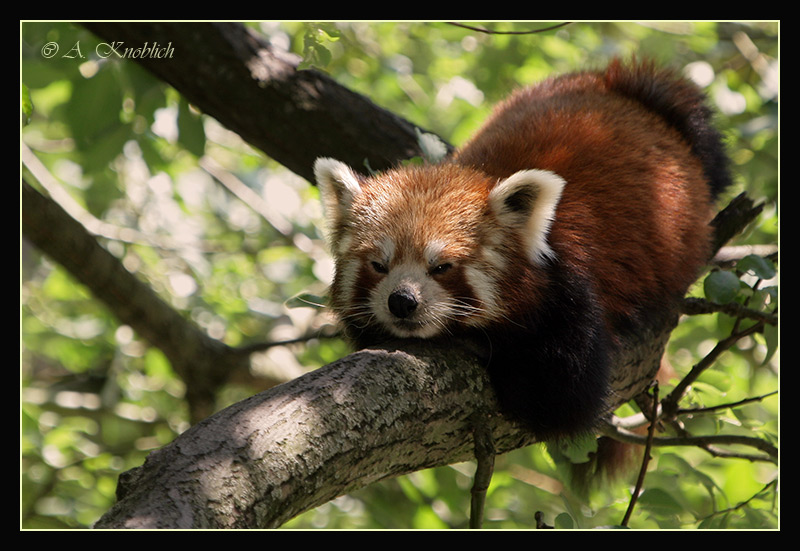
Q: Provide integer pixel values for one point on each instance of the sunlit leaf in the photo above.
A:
(721, 286)
(757, 265)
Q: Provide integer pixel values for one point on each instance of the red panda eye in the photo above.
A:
(380, 268)
(441, 268)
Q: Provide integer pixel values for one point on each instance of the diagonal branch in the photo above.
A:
(257, 91)
(670, 402)
(202, 362)
(258, 463)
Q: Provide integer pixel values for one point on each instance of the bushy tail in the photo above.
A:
(683, 105)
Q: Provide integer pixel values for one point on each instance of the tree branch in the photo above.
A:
(670, 402)
(693, 306)
(258, 463)
(705, 442)
(489, 31)
(651, 430)
(294, 116)
(202, 362)
(254, 90)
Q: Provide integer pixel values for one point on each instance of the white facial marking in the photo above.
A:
(387, 249)
(485, 288)
(412, 280)
(433, 252)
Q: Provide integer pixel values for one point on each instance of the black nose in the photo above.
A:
(402, 303)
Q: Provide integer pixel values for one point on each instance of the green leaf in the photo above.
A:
(191, 133)
(92, 115)
(564, 522)
(721, 287)
(26, 105)
(659, 500)
(771, 337)
(315, 54)
(759, 266)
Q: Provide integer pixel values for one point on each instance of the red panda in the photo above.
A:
(582, 203)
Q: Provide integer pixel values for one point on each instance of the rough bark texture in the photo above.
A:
(372, 415)
(250, 87)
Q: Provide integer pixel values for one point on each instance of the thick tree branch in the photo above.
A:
(369, 416)
(372, 415)
(257, 91)
(293, 116)
(202, 362)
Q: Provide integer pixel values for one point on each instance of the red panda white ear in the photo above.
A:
(338, 185)
(526, 201)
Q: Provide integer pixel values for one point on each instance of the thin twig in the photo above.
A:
(489, 31)
(749, 299)
(693, 306)
(670, 403)
(252, 348)
(646, 459)
(704, 442)
(729, 405)
(640, 419)
(741, 504)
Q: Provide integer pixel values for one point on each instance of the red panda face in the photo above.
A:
(423, 251)
(413, 292)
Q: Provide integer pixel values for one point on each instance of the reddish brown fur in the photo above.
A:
(634, 215)
(407, 205)
(639, 164)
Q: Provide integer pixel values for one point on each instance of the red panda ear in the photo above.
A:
(526, 202)
(338, 185)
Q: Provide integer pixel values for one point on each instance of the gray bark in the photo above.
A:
(372, 415)
(294, 116)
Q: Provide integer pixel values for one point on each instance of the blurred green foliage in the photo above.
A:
(95, 399)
